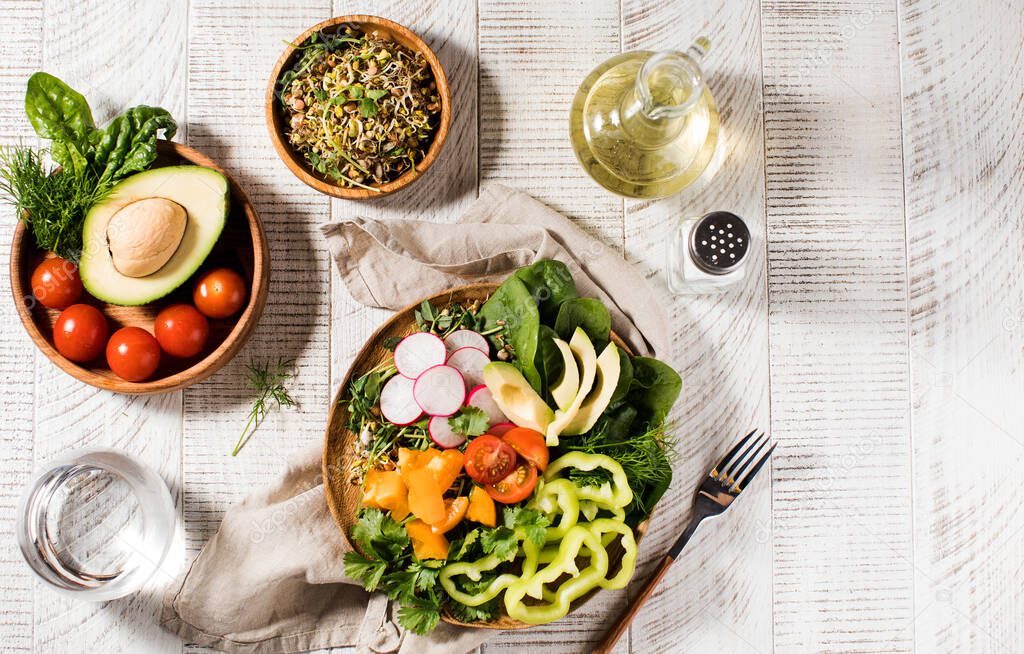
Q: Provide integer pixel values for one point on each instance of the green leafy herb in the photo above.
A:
(533, 524)
(469, 421)
(267, 383)
(367, 572)
(53, 204)
(420, 615)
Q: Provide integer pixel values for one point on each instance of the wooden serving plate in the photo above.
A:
(297, 163)
(242, 246)
(343, 497)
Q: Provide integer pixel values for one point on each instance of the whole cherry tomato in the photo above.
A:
(219, 293)
(489, 459)
(56, 284)
(133, 354)
(181, 330)
(517, 486)
(80, 332)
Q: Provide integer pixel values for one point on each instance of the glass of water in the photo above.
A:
(96, 524)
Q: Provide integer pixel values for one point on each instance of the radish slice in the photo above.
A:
(501, 428)
(466, 338)
(397, 403)
(481, 398)
(417, 352)
(470, 362)
(442, 434)
(440, 391)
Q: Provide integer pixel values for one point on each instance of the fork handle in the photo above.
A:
(620, 628)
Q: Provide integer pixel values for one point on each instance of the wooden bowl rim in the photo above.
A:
(212, 362)
(294, 161)
(503, 621)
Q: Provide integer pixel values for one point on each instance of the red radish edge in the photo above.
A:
(428, 350)
(485, 402)
(501, 428)
(462, 360)
(398, 395)
(442, 434)
(449, 400)
(461, 338)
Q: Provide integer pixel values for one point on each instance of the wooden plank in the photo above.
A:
(717, 597)
(962, 129)
(232, 49)
(843, 562)
(143, 64)
(21, 54)
(533, 56)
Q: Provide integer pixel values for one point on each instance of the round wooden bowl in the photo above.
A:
(275, 117)
(343, 497)
(242, 246)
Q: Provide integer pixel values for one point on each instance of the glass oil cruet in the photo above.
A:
(644, 124)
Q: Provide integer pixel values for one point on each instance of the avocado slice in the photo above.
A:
(564, 390)
(586, 358)
(515, 397)
(601, 395)
(141, 218)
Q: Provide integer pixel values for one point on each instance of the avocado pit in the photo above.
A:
(143, 235)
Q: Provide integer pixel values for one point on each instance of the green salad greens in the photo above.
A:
(91, 160)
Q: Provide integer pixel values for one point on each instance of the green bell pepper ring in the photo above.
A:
(614, 495)
(559, 601)
(559, 494)
(603, 528)
(474, 571)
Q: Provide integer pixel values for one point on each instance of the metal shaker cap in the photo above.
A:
(719, 242)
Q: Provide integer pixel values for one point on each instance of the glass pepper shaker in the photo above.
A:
(708, 254)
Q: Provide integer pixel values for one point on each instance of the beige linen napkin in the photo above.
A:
(271, 580)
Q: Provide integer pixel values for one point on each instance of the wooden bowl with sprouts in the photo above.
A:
(358, 107)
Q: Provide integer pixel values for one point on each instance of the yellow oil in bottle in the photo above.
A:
(644, 124)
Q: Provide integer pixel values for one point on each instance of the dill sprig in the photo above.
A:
(267, 382)
(52, 205)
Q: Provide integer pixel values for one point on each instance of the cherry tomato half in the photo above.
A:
(489, 459)
(517, 486)
(219, 293)
(56, 284)
(181, 330)
(529, 444)
(80, 332)
(133, 354)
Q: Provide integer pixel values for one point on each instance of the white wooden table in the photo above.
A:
(877, 145)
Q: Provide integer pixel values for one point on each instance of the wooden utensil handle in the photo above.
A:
(613, 636)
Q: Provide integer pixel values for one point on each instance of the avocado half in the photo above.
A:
(204, 195)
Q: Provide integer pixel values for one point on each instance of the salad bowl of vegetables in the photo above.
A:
(495, 452)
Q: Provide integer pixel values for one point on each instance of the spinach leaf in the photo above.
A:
(550, 283)
(514, 307)
(588, 313)
(654, 390)
(128, 144)
(549, 360)
(57, 111)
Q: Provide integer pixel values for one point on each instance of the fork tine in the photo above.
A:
(744, 458)
(750, 477)
(747, 460)
(732, 453)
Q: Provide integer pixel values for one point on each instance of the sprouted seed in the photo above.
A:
(360, 108)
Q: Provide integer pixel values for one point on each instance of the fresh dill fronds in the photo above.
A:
(52, 204)
(267, 383)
